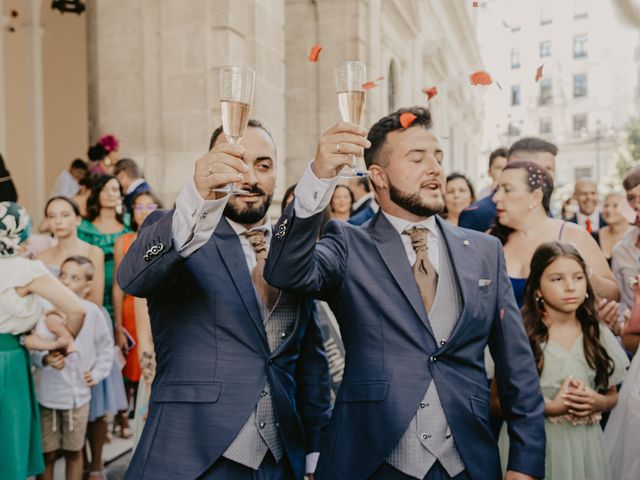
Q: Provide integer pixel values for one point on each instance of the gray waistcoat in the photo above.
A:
(428, 437)
(260, 433)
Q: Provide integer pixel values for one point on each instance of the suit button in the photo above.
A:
(263, 394)
(422, 405)
(262, 424)
(433, 359)
(442, 342)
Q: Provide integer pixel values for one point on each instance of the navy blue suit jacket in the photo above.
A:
(392, 355)
(213, 358)
(479, 216)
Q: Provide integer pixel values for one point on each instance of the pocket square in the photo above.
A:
(484, 282)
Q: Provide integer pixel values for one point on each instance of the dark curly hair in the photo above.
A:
(93, 202)
(378, 132)
(537, 178)
(587, 314)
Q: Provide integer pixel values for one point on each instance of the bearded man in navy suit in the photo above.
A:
(417, 301)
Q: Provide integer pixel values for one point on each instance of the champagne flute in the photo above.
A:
(350, 76)
(236, 96)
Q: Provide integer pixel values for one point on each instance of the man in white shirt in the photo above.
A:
(588, 215)
(242, 386)
(67, 184)
(418, 300)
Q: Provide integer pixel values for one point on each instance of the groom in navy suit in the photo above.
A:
(417, 300)
(242, 388)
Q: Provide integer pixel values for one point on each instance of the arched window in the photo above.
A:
(391, 87)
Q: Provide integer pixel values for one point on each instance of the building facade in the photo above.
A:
(147, 72)
(588, 89)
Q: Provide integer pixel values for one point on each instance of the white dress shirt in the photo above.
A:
(313, 194)
(594, 217)
(66, 389)
(66, 185)
(362, 199)
(195, 220)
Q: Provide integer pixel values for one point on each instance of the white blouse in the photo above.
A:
(19, 314)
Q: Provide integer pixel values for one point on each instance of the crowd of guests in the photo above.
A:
(575, 273)
(69, 341)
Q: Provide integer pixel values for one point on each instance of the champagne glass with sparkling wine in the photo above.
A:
(236, 96)
(350, 76)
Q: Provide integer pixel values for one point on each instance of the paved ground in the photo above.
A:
(116, 455)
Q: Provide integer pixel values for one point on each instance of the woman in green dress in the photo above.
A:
(103, 225)
(579, 360)
(21, 280)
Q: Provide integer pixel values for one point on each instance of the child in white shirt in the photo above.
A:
(64, 385)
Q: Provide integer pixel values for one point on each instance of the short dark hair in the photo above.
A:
(364, 181)
(79, 164)
(456, 175)
(498, 152)
(532, 144)
(129, 167)
(71, 202)
(84, 262)
(252, 123)
(378, 132)
(632, 179)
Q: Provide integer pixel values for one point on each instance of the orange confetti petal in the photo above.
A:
(406, 119)
(475, 4)
(481, 78)
(369, 85)
(431, 92)
(539, 73)
(380, 78)
(315, 51)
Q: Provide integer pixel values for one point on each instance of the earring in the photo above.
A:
(540, 300)
(586, 295)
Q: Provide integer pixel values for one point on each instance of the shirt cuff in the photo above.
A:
(313, 194)
(311, 462)
(37, 357)
(194, 219)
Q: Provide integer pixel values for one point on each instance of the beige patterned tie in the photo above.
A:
(268, 294)
(423, 270)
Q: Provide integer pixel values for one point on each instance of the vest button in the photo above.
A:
(422, 405)
(262, 424)
(263, 394)
(425, 436)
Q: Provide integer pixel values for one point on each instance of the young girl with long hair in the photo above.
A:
(578, 358)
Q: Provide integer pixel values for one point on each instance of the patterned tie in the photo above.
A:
(424, 272)
(268, 294)
(588, 225)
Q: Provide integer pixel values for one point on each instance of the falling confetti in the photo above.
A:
(406, 119)
(430, 92)
(315, 51)
(539, 73)
(481, 78)
(475, 4)
(369, 85)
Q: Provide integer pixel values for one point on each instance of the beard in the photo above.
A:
(412, 203)
(248, 215)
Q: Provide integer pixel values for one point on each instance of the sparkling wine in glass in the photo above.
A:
(350, 76)
(236, 97)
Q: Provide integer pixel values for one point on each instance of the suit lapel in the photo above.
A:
(465, 259)
(391, 249)
(233, 257)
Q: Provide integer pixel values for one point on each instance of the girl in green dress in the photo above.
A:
(579, 361)
(103, 225)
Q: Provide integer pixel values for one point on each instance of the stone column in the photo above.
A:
(33, 31)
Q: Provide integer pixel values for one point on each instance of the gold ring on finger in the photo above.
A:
(337, 148)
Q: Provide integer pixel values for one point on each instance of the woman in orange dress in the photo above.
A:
(123, 305)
